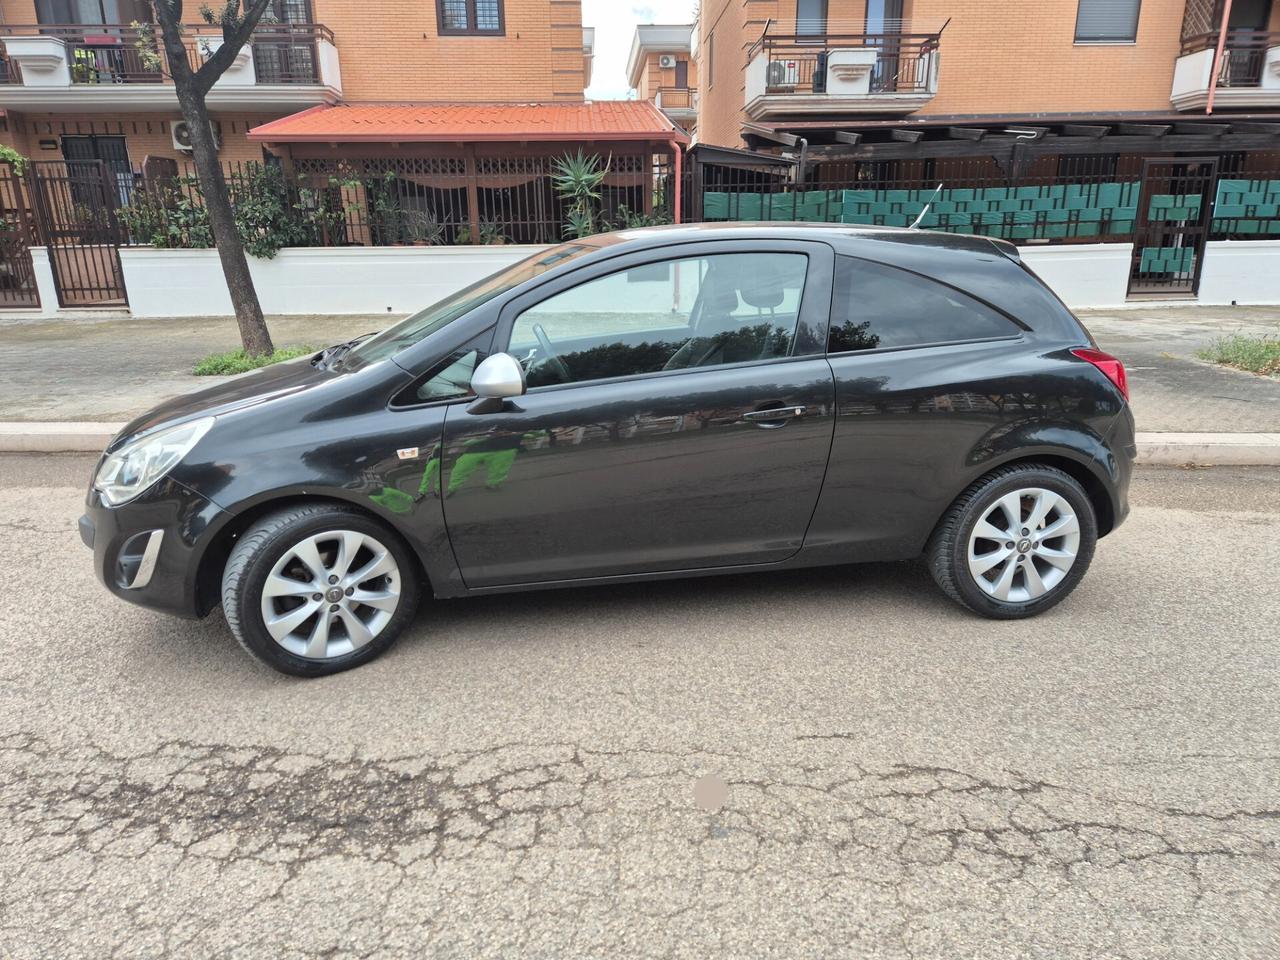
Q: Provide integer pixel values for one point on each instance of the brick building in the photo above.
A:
(73, 86)
(842, 64)
(662, 70)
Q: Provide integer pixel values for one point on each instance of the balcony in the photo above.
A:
(99, 68)
(678, 103)
(1249, 75)
(843, 70)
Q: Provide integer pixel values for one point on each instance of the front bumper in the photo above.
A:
(148, 551)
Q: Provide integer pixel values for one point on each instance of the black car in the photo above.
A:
(641, 405)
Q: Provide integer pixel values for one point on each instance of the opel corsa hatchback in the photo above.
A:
(640, 405)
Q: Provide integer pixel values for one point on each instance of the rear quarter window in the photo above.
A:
(877, 307)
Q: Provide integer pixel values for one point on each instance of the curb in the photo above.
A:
(65, 437)
(1209, 449)
(1154, 449)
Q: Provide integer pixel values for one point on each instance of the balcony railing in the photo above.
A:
(1244, 56)
(283, 53)
(803, 63)
(1247, 77)
(677, 98)
(10, 73)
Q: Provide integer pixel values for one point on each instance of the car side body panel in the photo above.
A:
(903, 431)
(915, 427)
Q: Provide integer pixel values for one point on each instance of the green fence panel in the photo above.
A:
(748, 207)
(1167, 260)
(715, 206)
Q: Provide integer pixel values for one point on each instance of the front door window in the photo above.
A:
(674, 315)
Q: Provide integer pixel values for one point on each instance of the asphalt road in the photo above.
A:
(824, 763)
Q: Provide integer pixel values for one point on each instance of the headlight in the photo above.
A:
(134, 467)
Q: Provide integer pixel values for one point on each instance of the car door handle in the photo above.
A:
(774, 415)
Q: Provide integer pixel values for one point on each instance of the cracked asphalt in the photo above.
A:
(829, 763)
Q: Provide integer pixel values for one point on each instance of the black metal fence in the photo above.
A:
(17, 280)
(1052, 200)
(396, 202)
(84, 211)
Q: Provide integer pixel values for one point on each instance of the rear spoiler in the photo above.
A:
(1009, 249)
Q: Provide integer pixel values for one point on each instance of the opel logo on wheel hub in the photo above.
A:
(334, 595)
(1024, 546)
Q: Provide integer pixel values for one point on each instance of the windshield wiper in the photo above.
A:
(330, 359)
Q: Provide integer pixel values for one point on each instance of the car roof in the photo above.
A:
(844, 237)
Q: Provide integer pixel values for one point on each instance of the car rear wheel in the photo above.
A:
(316, 589)
(1016, 543)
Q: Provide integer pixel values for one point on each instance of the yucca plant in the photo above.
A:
(577, 179)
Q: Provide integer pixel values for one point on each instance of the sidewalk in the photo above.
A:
(112, 370)
(1172, 391)
(69, 384)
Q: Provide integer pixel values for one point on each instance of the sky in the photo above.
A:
(615, 22)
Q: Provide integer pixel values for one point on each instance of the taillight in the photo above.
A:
(1109, 365)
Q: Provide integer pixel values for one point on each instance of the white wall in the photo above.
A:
(46, 288)
(1083, 275)
(400, 280)
(1241, 271)
(394, 280)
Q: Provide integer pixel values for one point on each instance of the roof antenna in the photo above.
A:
(915, 225)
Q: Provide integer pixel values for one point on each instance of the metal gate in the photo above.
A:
(17, 278)
(1175, 210)
(77, 207)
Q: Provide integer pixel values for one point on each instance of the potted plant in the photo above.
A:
(423, 228)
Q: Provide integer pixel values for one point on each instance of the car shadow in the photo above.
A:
(846, 594)
(869, 586)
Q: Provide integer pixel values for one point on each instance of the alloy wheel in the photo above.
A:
(1024, 545)
(331, 594)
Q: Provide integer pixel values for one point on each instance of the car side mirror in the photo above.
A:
(497, 379)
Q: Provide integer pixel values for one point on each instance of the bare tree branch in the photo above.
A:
(236, 31)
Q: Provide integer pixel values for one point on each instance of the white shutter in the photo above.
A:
(1098, 20)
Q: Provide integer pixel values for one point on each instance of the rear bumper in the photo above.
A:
(148, 551)
(1122, 441)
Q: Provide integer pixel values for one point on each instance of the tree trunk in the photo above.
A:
(235, 265)
(191, 88)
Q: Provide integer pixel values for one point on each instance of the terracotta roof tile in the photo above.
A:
(384, 122)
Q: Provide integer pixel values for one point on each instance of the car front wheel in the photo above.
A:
(1016, 543)
(320, 588)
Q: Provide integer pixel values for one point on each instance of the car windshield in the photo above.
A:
(435, 317)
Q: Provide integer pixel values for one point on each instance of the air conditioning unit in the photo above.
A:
(667, 61)
(783, 73)
(181, 132)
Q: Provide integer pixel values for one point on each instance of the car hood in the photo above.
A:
(252, 389)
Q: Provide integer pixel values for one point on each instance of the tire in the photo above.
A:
(1007, 590)
(339, 632)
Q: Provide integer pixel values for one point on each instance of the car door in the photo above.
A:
(679, 416)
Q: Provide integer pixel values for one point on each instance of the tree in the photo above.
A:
(238, 19)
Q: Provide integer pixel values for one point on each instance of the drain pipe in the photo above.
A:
(679, 157)
(1217, 56)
